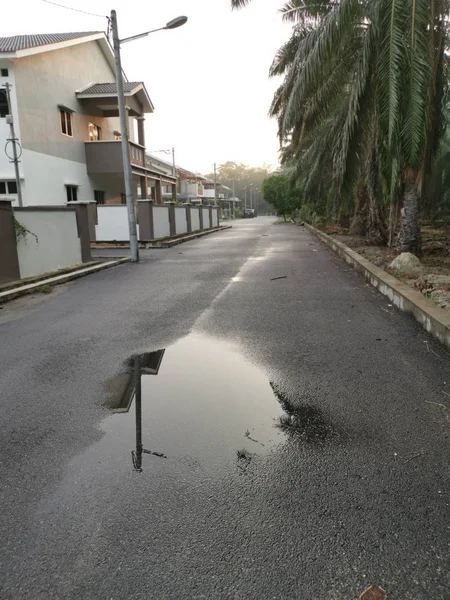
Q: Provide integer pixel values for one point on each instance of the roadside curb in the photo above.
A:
(187, 238)
(432, 318)
(29, 288)
(162, 243)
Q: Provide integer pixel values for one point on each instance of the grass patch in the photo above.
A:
(45, 289)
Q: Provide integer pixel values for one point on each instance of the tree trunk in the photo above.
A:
(409, 237)
(376, 230)
(358, 223)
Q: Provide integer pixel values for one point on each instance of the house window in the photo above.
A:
(8, 187)
(94, 132)
(4, 72)
(117, 136)
(4, 106)
(66, 122)
(99, 196)
(72, 192)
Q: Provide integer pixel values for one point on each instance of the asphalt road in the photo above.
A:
(304, 423)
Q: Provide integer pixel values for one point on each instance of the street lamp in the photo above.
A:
(173, 24)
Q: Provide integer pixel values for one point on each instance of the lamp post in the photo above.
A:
(134, 247)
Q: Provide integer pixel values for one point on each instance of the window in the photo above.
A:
(94, 132)
(66, 122)
(8, 187)
(123, 199)
(4, 72)
(117, 136)
(99, 196)
(72, 192)
(4, 106)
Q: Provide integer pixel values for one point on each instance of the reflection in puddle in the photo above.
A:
(198, 400)
(304, 421)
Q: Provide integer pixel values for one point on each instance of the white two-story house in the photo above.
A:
(63, 99)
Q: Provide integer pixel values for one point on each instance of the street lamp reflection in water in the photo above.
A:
(127, 386)
(144, 364)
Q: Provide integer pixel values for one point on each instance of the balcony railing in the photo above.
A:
(105, 156)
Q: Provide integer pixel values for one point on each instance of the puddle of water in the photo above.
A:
(302, 421)
(199, 398)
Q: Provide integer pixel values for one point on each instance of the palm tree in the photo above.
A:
(383, 62)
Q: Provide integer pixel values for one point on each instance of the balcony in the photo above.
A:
(105, 156)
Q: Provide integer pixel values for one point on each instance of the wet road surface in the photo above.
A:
(292, 441)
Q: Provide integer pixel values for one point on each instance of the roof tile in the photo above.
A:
(23, 42)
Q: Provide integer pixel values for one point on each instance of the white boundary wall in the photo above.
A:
(161, 224)
(206, 223)
(180, 220)
(195, 219)
(57, 245)
(112, 223)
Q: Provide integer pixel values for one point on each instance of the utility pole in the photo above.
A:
(251, 196)
(215, 184)
(123, 115)
(232, 204)
(14, 141)
(173, 163)
(245, 197)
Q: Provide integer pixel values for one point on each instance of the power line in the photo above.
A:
(85, 12)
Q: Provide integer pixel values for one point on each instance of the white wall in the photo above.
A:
(161, 225)
(215, 217)
(47, 176)
(195, 219)
(206, 223)
(112, 223)
(180, 220)
(57, 245)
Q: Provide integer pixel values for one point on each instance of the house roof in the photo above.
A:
(110, 88)
(24, 42)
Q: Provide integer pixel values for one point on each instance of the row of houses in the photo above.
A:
(61, 91)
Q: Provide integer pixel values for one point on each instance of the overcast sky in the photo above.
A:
(208, 80)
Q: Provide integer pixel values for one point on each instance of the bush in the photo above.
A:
(309, 215)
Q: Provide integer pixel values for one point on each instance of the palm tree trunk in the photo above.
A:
(376, 230)
(409, 237)
(358, 224)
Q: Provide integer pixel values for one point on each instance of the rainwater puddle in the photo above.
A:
(199, 398)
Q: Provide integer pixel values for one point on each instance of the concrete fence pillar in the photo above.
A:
(210, 216)
(200, 216)
(82, 214)
(146, 222)
(93, 220)
(173, 229)
(188, 218)
(9, 260)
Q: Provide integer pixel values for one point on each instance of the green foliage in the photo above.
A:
(22, 231)
(364, 94)
(309, 215)
(279, 193)
(243, 178)
(45, 289)
(238, 212)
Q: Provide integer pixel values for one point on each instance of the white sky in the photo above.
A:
(208, 80)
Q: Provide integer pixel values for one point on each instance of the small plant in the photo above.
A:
(22, 231)
(244, 454)
(45, 289)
